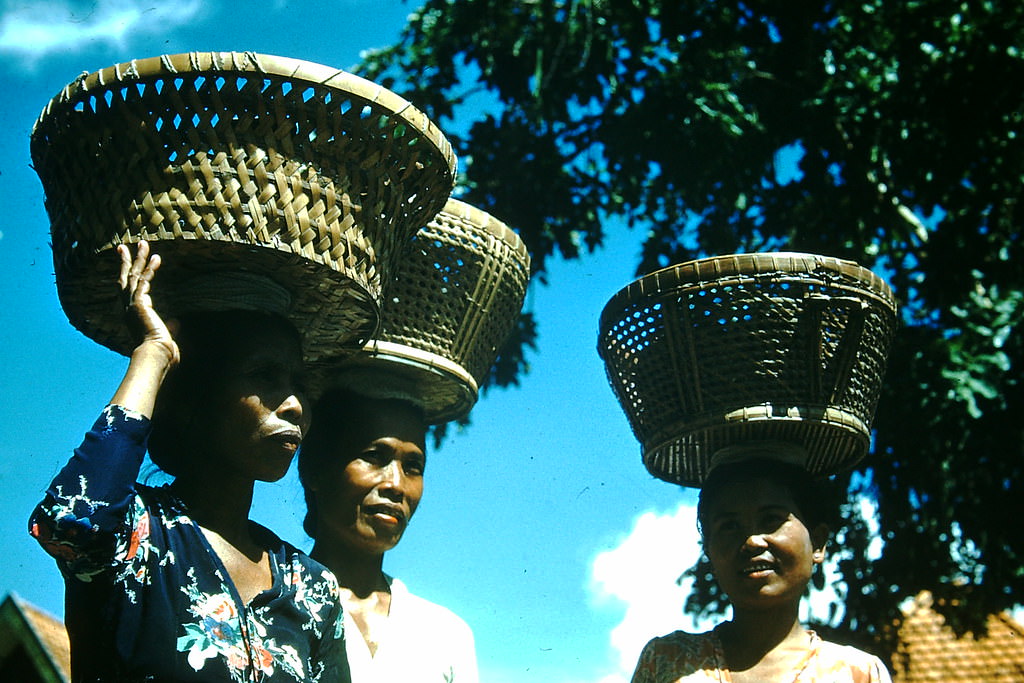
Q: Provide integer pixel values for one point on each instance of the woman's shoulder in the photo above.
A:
(424, 610)
(678, 655)
(309, 586)
(290, 557)
(685, 637)
(684, 643)
(834, 657)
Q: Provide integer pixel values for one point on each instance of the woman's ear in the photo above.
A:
(819, 542)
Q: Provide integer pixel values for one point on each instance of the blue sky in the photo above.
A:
(539, 525)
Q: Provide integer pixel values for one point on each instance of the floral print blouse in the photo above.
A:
(682, 657)
(147, 598)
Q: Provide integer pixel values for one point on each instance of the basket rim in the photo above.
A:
(484, 221)
(408, 354)
(737, 268)
(302, 72)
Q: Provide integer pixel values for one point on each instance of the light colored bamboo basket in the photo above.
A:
(747, 348)
(228, 161)
(454, 301)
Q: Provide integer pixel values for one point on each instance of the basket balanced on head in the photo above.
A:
(720, 352)
(296, 172)
(455, 299)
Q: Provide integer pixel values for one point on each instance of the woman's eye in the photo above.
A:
(262, 372)
(374, 457)
(726, 526)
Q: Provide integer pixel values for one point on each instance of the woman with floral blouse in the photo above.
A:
(176, 583)
(762, 523)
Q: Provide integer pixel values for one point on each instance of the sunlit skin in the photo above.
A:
(367, 491)
(763, 557)
(254, 422)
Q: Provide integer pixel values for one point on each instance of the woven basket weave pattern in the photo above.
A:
(796, 344)
(241, 151)
(453, 303)
(472, 278)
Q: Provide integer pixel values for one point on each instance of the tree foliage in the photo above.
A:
(884, 132)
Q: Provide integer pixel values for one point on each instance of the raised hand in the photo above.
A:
(135, 280)
(157, 352)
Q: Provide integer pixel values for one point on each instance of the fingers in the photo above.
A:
(135, 278)
(152, 265)
(126, 265)
(138, 272)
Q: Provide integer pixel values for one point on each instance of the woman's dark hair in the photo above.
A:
(333, 414)
(328, 423)
(181, 418)
(816, 499)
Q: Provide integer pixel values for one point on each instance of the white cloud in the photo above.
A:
(642, 572)
(34, 30)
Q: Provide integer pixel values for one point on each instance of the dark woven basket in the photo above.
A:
(455, 300)
(746, 348)
(306, 174)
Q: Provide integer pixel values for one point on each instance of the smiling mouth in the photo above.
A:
(757, 568)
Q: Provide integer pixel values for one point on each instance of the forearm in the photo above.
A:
(146, 371)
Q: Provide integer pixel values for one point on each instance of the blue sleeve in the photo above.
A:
(330, 659)
(90, 505)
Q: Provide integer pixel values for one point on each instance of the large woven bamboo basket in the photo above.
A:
(455, 299)
(747, 348)
(229, 161)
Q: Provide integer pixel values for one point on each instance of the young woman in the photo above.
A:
(176, 583)
(362, 468)
(763, 530)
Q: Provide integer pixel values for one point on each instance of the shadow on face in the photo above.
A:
(237, 399)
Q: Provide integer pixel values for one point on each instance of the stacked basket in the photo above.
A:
(749, 349)
(310, 178)
(455, 299)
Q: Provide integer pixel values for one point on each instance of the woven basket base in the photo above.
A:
(444, 388)
(833, 439)
(334, 314)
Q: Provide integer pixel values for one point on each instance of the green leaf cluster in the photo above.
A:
(884, 132)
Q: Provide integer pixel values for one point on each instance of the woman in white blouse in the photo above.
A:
(362, 468)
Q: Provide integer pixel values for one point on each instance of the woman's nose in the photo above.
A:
(393, 478)
(291, 408)
(755, 541)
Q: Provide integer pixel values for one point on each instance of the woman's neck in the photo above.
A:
(751, 636)
(365, 591)
(360, 572)
(221, 509)
(219, 505)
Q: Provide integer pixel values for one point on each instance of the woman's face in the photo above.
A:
(371, 483)
(258, 406)
(762, 553)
